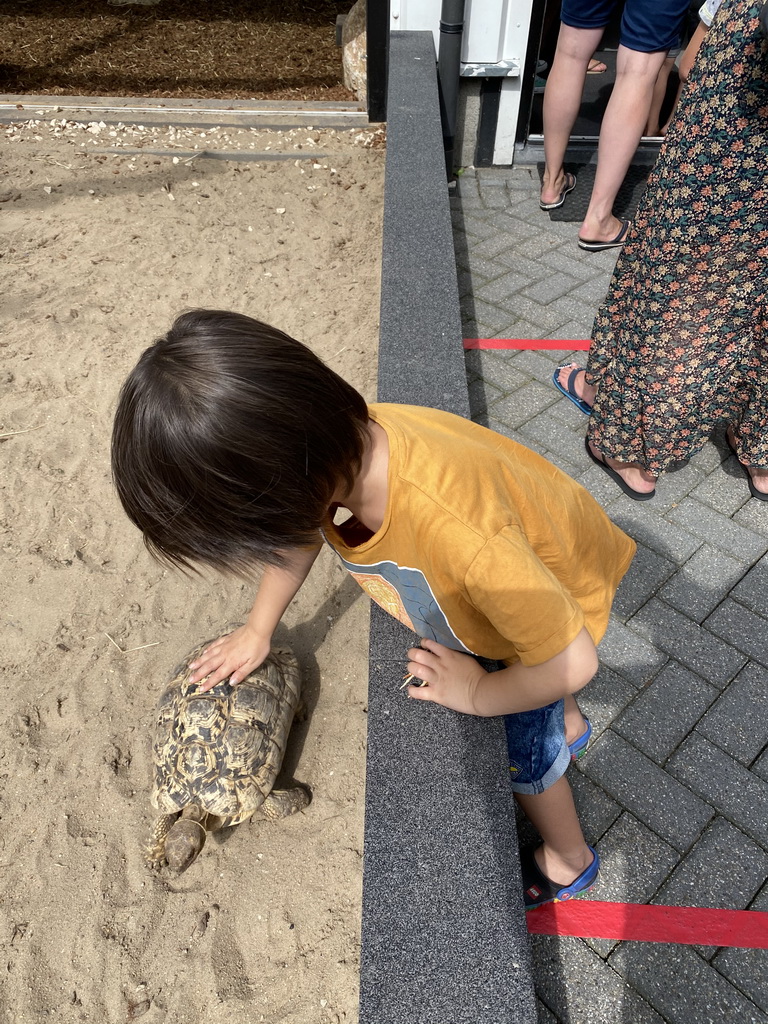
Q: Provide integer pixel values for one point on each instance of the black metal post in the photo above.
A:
(377, 61)
(449, 68)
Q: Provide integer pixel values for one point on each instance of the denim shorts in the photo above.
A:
(538, 753)
(646, 25)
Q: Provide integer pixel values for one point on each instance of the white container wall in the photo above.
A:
(494, 45)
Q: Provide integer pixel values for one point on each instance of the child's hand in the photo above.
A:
(451, 678)
(232, 657)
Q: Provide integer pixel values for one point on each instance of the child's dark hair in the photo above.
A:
(230, 439)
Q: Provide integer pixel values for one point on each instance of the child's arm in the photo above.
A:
(459, 682)
(239, 653)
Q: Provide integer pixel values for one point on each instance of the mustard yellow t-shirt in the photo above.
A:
(485, 546)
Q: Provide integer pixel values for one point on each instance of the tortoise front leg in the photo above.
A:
(154, 854)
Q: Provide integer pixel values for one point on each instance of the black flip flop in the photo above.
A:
(538, 889)
(617, 477)
(569, 186)
(592, 245)
(745, 469)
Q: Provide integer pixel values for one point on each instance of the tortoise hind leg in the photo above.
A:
(282, 802)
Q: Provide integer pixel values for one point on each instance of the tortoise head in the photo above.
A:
(185, 838)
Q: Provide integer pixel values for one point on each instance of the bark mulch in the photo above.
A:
(218, 49)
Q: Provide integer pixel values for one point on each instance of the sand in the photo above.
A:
(101, 250)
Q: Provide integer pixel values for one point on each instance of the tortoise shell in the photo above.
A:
(223, 749)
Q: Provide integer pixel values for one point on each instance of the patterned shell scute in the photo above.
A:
(223, 749)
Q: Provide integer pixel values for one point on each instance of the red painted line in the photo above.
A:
(535, 343)
(591, 919)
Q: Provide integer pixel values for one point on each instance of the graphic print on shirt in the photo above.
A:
(406, 595)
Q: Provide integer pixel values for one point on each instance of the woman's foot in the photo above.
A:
(578, 383)
(554, 189)
(758, 476)
(607, 231)
(639, 483)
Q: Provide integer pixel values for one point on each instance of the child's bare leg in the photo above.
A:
(564, 854)
(575, 725)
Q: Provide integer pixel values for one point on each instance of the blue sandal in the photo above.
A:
(539, 889)
(578, 748)
(568, 390)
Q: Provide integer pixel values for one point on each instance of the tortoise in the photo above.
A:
(217, 754)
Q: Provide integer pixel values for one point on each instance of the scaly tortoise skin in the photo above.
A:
(217, 754)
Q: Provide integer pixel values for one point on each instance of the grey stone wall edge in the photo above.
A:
(443, 932)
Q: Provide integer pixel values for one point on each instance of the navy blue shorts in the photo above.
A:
(646, 25)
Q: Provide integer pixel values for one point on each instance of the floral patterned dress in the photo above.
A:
(681, 341)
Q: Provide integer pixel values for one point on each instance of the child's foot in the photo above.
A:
(558, 884)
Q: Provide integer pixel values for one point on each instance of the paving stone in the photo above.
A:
(558, 437)
(629, 655)
(718, 529)
(574, 330)
(499, 241)
(596, 809)
(593, 292)
(545, 317)
(740, 795)
(469, 229)
(722, 492)
(683, 986)
(665, 711)
(545, 1015)
(536, 366)
(736, 722)
(752, 590)
(551, 288)
(747, 632)
(481, 395)
(671, 810)
(753, 516)
(645, 576)
(580, 988)
(696, 646)
(634, 862)
(760, 767)
(708, 459)
(675, 485)
(518, 408)
(746, 968)
(495, 367)
(724, 868)
(508, 284)
(567, 309)
(604, 699)
(523, 263)
(563, 260)
(490, 316)
(642, 523)
(703, 582)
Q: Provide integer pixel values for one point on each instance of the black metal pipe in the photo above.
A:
(449, 69)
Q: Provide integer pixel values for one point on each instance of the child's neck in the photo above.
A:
(367, 500)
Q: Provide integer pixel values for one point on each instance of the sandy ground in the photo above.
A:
(100, 251)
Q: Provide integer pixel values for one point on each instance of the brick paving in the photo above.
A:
(674, 787)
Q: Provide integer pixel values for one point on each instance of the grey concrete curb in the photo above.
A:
(444, 939)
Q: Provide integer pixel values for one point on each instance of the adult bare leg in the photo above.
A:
(562, 99)
(622, 128)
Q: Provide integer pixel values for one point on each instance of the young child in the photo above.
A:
(234, 446)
